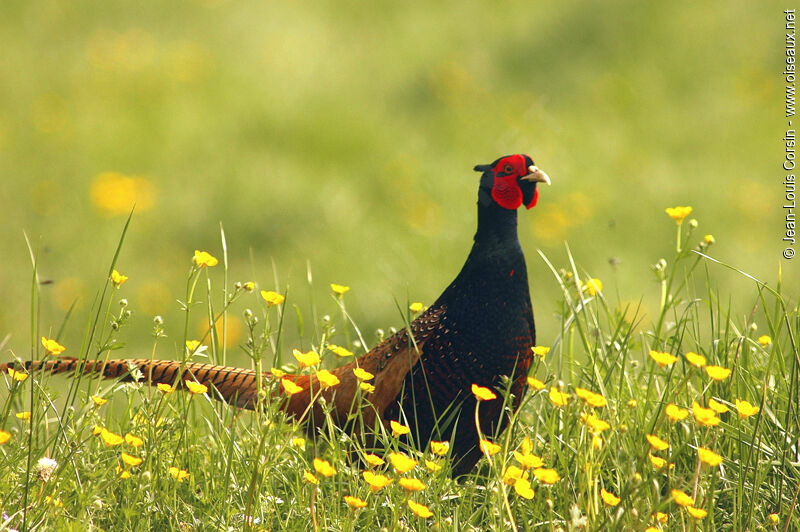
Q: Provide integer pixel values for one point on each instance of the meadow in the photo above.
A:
(688, 422)
(319, 143)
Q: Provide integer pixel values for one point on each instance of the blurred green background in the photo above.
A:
(344, 133)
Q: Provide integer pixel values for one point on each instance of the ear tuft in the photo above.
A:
(482, 167)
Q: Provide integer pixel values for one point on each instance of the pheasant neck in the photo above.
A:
(496, 225)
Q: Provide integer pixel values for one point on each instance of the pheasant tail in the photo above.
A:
(233, 385)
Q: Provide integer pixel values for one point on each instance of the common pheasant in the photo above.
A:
(480, 330)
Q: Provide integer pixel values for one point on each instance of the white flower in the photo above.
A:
(45, 467)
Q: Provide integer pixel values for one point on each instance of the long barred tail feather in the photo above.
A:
(235, 385)
(389, 362)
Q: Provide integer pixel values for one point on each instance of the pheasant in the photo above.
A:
(479, 331)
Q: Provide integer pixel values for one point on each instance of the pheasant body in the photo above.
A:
(486, 331)
(480, 330)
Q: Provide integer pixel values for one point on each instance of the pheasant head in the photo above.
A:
(510, 181)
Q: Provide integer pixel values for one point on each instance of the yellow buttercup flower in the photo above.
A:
(415, 307)
(526, 445)
(411, 484)
(489, 448)
(593, 286)
(657, 461)
(114, 193)
(24, 416)
(678, 213)
(440, 448)
(402, 463)
(522, 487)
(774, 518)
(661, 517)
(745, 409)
(558, 398)
(192, 345)
(376, 481)
(374, 460)
(178, 474)
(705, 416)
(4, 436)
(595, 424)
(512, 474)
(546, 476)
(307, 359)
(354, 502)
(18, 376)
(309, 477)
(130, 460)
(709, 239)
(362, 374)
(339, 289)
(399, 429)
(249, 286)
(299, 443)
(663, 359)
(528, 461)
(764, 340)
(420, 510)
(633, 403)
(540, 351)
(656, 443)
(117, 278)
(165, 388)
(697, 513)
(483, 394)
(535, 383)
(695, 359)
(133, 441)
(52, 347)
(324, 468)
(716, 406)
(609, 498)
(290, 387)
(196, 388)
(122, 473)
(110, 438)
(340, 351)
(54, 501)
(272, 298)
(99, 401)
(366, 387)
(681, 498)
(718, 373)
(327, 379)
(204, 259)
(591, 398)
(675, 413)
(433, 467)
(707, 456)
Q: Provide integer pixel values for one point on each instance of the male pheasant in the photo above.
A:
(478, 331)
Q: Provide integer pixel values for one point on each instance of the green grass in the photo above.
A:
(338, 139)
(247, 470)
(345, 135)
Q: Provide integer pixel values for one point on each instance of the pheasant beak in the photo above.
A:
(536, 175)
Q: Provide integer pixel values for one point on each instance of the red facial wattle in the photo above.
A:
(506, 192)
(513, 181)
(531, 204)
